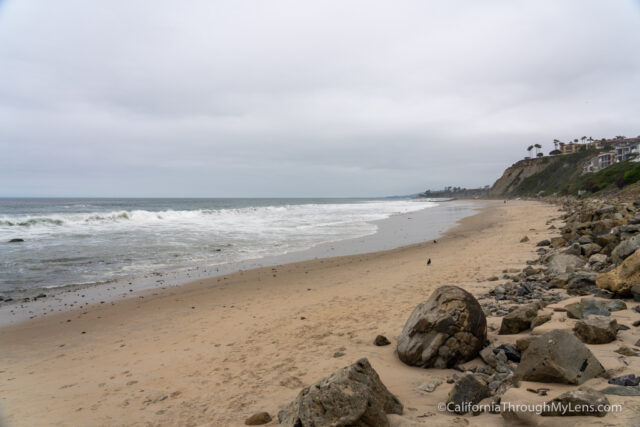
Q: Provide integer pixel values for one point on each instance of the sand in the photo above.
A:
(215, 351)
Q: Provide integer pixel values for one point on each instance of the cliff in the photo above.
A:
(513, 176)
(542, 176)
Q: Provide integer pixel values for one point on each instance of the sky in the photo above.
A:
(302, 99)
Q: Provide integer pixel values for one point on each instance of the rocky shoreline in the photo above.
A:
(560, 307)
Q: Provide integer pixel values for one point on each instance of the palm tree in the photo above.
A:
(583, 138)
(538, 146)
(529, 148)
(575, 140)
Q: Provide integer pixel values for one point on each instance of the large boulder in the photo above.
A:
(519, 319)
(596, 329)
(558, 357)
(448, 329)
(353, 395)
(625, 248)
(560, 263)
(622, 278)
(580, 402)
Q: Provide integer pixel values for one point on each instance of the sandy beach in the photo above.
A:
(215, 351)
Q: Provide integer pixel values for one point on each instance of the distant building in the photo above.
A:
(619, 150)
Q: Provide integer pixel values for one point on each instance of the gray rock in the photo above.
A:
(582, 402)
(595, 329)
(625, 380)
(519, 319)
(635, 292)
(620, 390)
(561, 263)
(468, 390)
(627, 351)
(625, 248)
(588, 306)
(544, 242)
(559, 357)
(353, 395)
(448, 329)
(430, 386)
(581, 283)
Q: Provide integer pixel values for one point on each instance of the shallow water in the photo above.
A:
(86, 241)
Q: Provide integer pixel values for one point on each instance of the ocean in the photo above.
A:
(70, 242)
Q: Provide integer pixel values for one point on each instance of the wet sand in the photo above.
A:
(215, 351)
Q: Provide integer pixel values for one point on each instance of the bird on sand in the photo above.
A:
(428, 261)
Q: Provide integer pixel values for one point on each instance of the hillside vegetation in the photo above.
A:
(562, 175)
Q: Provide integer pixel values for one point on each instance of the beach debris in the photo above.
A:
(596, 329)
(353, 395)
(558, 357)
(381, 340)
(541, 391)
(16, 240)
(448, 329)
(519, 319)
(581, 402)
(468, 390)
(258, 419)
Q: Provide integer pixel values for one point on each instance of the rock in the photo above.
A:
(595, 329)
(619, 390)
(626, 351)
(258, 419)
(510, 351)
(635, 292)
(468, 390)
(493, 279)
(587, 306)
(600, 259)
(621, 279)
(541, 319)
(16, 240)
(561, 263)
(625, 248)
(519, 319)
(488, 356)
(544, 242)
(353, 395)
(582, 402)
(523, 343)
(448, 329)
(381, 340)
(338, 354)
(559, 357)
(581, 284)
(556, 242)
(524, 239)
(625, 380)
(431, 386)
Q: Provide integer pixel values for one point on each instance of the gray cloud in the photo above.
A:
(240, 98)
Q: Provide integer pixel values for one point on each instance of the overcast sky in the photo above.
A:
(300, 98)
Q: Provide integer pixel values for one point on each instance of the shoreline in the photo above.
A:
(214, 351)
(392, 232)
